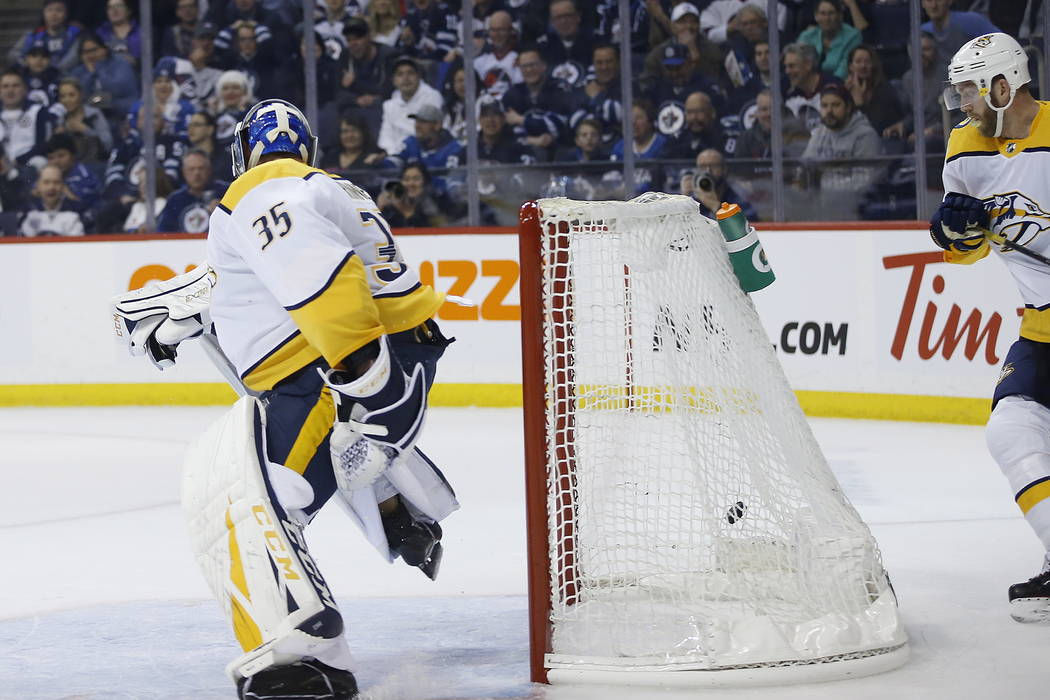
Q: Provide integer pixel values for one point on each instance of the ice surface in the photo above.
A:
(101, 600)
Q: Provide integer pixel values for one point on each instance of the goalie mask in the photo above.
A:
(975, 67)
(272, 126)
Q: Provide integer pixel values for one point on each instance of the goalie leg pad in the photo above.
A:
(252, 552)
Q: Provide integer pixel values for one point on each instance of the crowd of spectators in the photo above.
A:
(392, 99)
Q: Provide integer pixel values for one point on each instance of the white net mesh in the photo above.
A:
(694, 523)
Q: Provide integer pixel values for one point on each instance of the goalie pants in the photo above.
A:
(300, 410)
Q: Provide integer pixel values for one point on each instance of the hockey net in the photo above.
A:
(681, 514)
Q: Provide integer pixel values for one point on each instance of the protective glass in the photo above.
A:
(961, 95)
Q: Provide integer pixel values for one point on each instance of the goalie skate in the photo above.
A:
(1030, 600)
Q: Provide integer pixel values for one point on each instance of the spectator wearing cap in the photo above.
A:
(55, 33)
(51, 212)
(409, 96)
(432, 145)
(719, 19)
(805, 83)
(330, 18)
(82, 185)
(704, 55)
(384, 17)
(204, 76)
(497, 64)
(86, 125)
(538, 107)
(831, 38)
(109, 82)
(40, 76)
(953, 28)
(177, 39)
(844, 134)
(496, 140)
(121, 32)
(367, 72)
(569, 46)
(233, 97)
(430, 30)
(680, 79)
(25, 125)
(167, 75)
(189, 208)
(702, 129)
(649, 144)
(600, 99)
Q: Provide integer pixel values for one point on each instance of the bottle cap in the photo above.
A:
(727, 210)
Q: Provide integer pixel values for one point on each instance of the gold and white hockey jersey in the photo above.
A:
(1012, 176)
(305, 268)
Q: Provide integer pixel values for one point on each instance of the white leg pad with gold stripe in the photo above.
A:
(1018, 437)
(251, 548)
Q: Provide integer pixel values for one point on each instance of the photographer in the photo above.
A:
(709, 187)
(409, 203)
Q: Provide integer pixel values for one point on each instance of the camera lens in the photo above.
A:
(704, 182)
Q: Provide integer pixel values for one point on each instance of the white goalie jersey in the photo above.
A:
(305, 267)
(1011, 176)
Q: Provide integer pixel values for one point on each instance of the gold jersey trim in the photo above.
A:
(282, 167)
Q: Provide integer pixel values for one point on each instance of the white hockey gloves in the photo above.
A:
(379, 416)
(153, 320)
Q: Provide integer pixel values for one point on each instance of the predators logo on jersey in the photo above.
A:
(1017, 217)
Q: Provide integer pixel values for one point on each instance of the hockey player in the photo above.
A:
(317, 312)
(997, 179)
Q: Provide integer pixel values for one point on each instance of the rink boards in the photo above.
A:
(867, 322)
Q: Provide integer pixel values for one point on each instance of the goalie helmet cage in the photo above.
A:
(684, 528)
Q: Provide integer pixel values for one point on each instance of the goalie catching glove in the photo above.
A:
(153, 320)
(379, 415)
(961, 223)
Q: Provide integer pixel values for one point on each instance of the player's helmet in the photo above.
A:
(981, 61)
(271, 126)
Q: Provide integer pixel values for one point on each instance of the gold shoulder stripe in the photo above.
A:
(965, 139)
(282, 167)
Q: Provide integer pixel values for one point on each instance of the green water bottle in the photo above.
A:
(745, 250)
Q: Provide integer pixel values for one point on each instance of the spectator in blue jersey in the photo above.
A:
(701, 131)
(953, 28)
(680, 79)
(649, 144)
(86, 125)
(831, 38)
(168, 94)
(430, 30)
(747, 58)
(121, 32)
(26, 125)
(189, 208)
(201, 137)
(55, 33)
(600, 98)
(431, 145)
(82, 185)
(569, 46)
(177, 39)
(272, 35)
(256, 59)
(109, 83)
(538, 107)
(709, 185)
(41, 77)
(51, 212)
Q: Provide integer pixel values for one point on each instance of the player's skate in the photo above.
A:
(308, 679)
(1030, 600)
(416, 541)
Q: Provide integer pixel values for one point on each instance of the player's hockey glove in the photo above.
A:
(960, 223)
(379, 415)
(153, 320)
